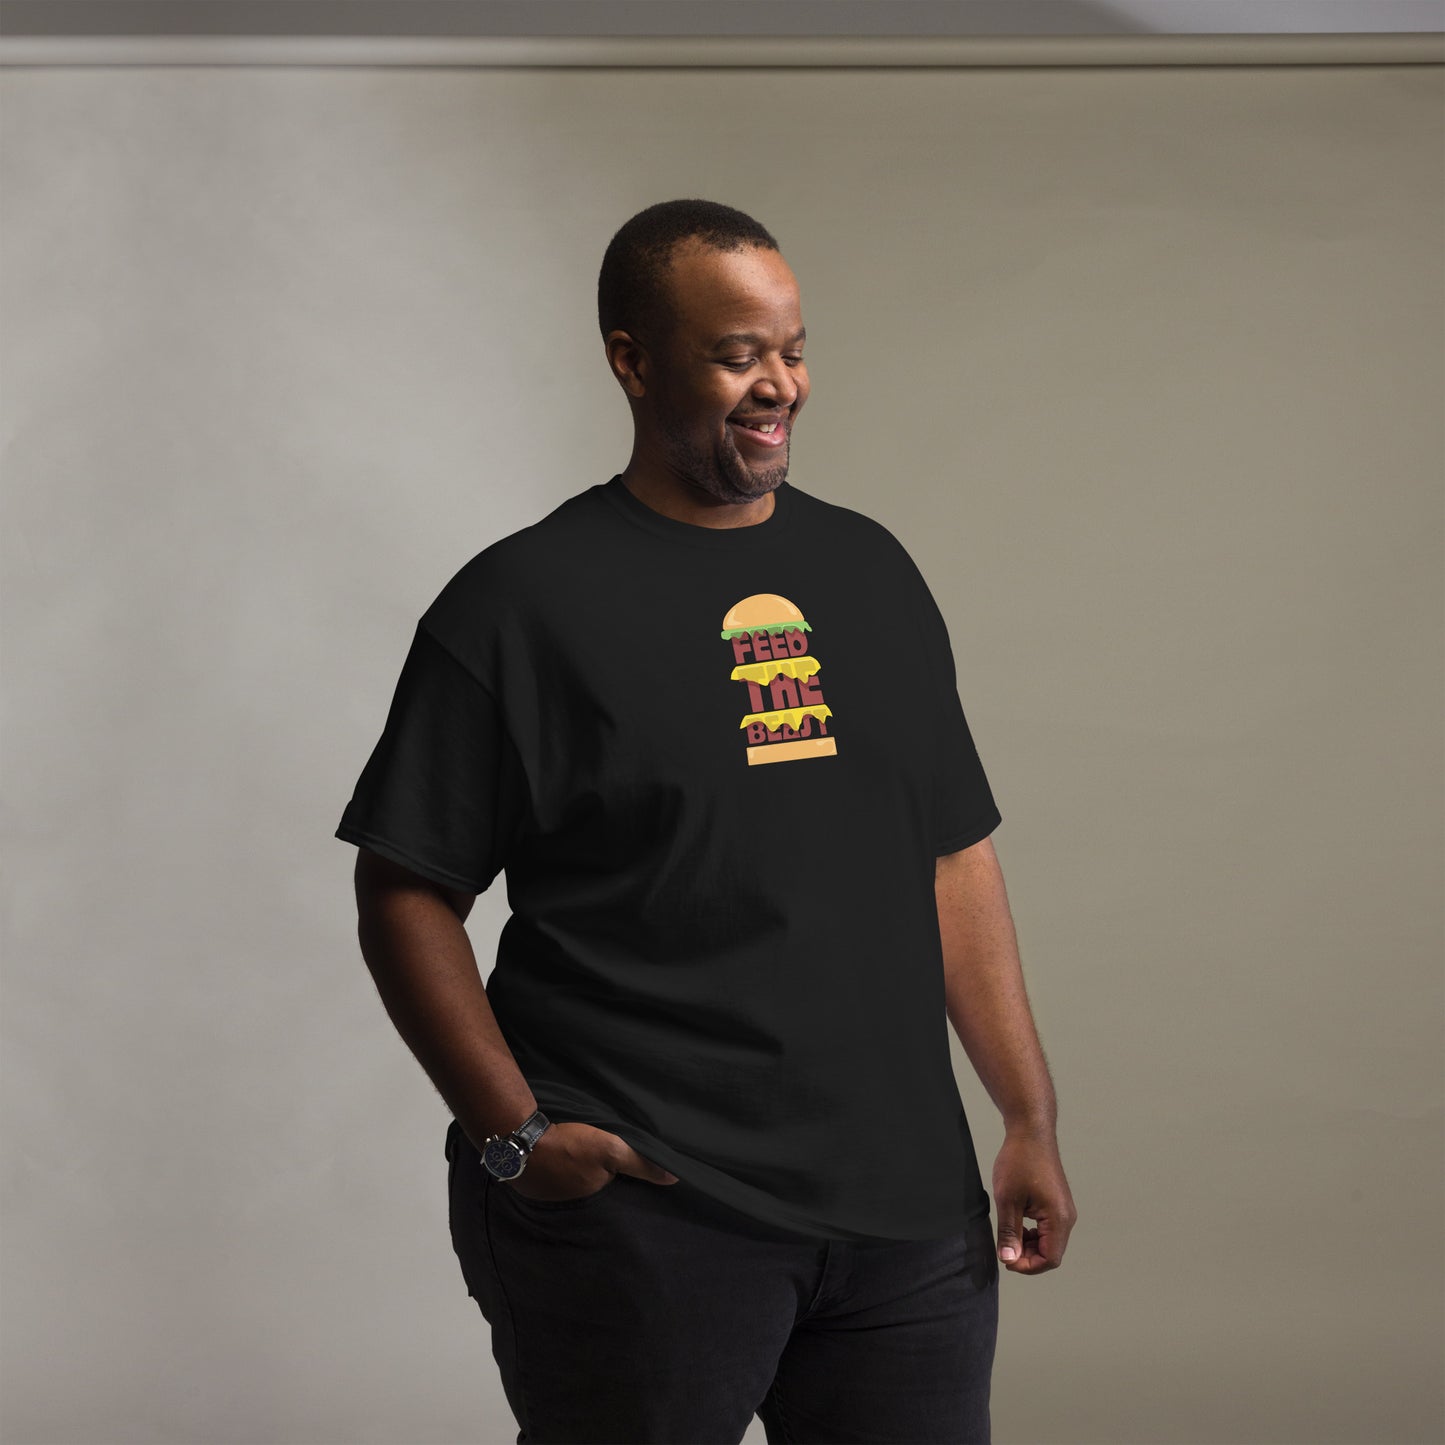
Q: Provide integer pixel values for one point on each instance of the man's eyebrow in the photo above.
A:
(748, 338)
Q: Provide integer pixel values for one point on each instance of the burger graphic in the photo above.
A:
(786, 716)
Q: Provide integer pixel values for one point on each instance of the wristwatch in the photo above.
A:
(505, 1155)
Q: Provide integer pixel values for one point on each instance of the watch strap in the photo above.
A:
(532, 1129)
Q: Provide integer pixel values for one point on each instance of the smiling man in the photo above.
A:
(708, 1154)
(713, 410)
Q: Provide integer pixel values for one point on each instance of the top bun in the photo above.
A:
(761, 611)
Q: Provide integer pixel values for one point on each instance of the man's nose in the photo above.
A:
(780, 390)
(765, 401)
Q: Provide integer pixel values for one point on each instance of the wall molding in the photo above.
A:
(725, 52)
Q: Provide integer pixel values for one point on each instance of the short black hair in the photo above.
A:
(632, 290)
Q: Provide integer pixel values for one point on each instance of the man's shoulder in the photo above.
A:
(849, 525)
(519, 564)
(503, 578)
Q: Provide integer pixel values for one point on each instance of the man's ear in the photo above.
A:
(629, 361)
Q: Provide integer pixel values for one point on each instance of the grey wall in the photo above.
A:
(1164, 349)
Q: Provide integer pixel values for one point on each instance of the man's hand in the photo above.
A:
(572, 1160)
(1028, 1179)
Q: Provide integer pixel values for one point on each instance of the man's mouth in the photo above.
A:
(761, 431)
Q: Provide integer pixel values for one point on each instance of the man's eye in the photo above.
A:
(739, 365)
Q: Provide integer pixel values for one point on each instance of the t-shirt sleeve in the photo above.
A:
(964, 809)
(444, 791)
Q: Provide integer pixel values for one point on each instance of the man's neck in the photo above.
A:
(686, 504)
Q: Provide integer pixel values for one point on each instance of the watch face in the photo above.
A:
(503, 1158)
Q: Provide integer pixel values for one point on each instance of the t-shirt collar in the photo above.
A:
(756, 534)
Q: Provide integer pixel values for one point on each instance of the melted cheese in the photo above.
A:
(763, 673)
(790, 715)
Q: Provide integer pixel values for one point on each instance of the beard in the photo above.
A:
(721, 470)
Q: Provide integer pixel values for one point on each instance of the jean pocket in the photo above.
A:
(548, 1205)
(980, 1252)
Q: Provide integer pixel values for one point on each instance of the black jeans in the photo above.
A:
(652, 1313)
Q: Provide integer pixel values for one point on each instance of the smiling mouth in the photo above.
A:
(770, 433)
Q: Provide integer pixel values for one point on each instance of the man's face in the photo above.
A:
(737, 353)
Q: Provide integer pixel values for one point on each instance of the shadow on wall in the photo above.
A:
(443, 18)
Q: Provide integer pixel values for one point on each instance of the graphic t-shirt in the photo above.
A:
(716, 765)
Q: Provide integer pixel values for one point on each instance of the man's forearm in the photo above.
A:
(987, 1004)
(422, 962)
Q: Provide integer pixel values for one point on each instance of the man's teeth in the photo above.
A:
(771, 426)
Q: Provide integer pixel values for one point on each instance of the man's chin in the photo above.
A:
(758, 488)
(758, 481)
(735, 480)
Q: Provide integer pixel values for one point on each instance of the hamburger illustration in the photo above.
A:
(786, 716)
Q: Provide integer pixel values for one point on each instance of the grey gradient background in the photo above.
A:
(1144, 365)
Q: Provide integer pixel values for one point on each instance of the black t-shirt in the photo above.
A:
(717, 765)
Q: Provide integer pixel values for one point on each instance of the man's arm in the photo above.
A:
(421, 960)
(989, 1010)
(412, 938)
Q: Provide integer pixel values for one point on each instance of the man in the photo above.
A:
(709, 1155)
